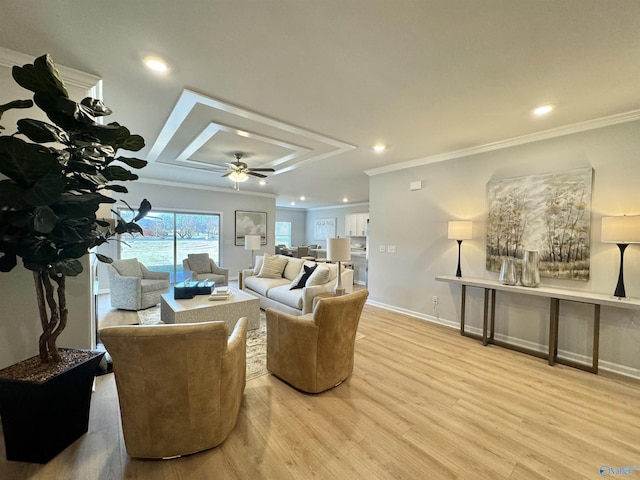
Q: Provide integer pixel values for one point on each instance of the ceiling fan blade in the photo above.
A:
(227, 174)
(259, 175)
(262, 169)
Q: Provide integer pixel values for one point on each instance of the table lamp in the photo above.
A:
(339, 250)
(460, 230)
(621, 231)
(251, 242)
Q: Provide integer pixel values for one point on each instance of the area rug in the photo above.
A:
(256, 341)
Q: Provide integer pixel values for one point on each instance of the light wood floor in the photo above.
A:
(423, 403)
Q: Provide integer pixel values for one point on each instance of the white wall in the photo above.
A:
(298, 218)
(416, 223)
(337, 212)
(19, 320)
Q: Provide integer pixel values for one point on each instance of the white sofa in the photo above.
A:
(277, 293)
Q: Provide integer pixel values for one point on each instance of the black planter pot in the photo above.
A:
(40, 420)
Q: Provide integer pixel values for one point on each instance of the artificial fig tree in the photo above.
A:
(56, 175)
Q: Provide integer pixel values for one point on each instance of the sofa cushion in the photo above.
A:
(199, 262)
(273, 266)
(282, 294)
(319, 277)
(293, 268)
(263, 285)
(301, 280)
(128, 268)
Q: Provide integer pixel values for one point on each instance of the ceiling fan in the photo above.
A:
(239, 171)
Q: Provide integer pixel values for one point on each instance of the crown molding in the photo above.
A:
(191, 186)
(341, 205)
(512, 142)
(71, 76)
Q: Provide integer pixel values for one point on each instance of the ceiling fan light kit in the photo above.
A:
(240, 171)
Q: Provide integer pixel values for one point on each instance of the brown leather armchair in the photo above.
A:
(314, 352)
(180, 386)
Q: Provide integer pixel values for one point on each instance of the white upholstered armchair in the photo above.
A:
(133, 286)
(199, 267)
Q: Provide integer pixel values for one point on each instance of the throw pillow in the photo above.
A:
(273, 266)
(199, 262)
(319, 277)
(293, 268)
(301, 280)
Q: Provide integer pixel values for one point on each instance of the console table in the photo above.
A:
(554, 295)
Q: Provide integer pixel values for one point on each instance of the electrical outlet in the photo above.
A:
(435, 300)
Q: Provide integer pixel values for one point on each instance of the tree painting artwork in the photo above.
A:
(549, 213)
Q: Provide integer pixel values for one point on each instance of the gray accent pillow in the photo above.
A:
(273, 266)
(199, 262)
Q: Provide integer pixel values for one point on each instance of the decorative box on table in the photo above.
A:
(185, 290)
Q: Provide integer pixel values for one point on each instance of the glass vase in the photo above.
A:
(508, 275)
(530, 269)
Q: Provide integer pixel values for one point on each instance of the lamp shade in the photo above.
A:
(621, 229)
(251, 242)
(338, 249)
(460, 230)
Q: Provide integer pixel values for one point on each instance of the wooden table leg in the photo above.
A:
(554, 312)
(485, 316)
(462, 307)
(596, 337)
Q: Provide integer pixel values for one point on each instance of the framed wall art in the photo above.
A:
(324, 228)
(251, 223)
(550, 214)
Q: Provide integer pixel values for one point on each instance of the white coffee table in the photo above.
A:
(201, 309)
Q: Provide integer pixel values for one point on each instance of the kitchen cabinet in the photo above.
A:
(355, 224)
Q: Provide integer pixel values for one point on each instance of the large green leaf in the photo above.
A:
(143, 210)
(115, 172)
(26, 162)
(11, 194)
(42, 132)
(133, 162)
(98, 108)
(45, 191)
(15, 104)
(70, 268)
(8, 262)
(116, 188)
(44, 219)
(41, 76)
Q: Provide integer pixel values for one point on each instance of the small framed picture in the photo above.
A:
(251, 223)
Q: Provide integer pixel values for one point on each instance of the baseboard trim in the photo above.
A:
(603, 365)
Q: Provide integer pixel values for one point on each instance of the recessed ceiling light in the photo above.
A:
(345, 199)
(156, 64)
(302, 197)
(379, 148)
(542, 110)
(293, 203)
(262, 182)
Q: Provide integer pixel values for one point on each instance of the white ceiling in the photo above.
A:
(308, 87)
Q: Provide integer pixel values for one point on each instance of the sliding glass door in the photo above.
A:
(169, 237)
